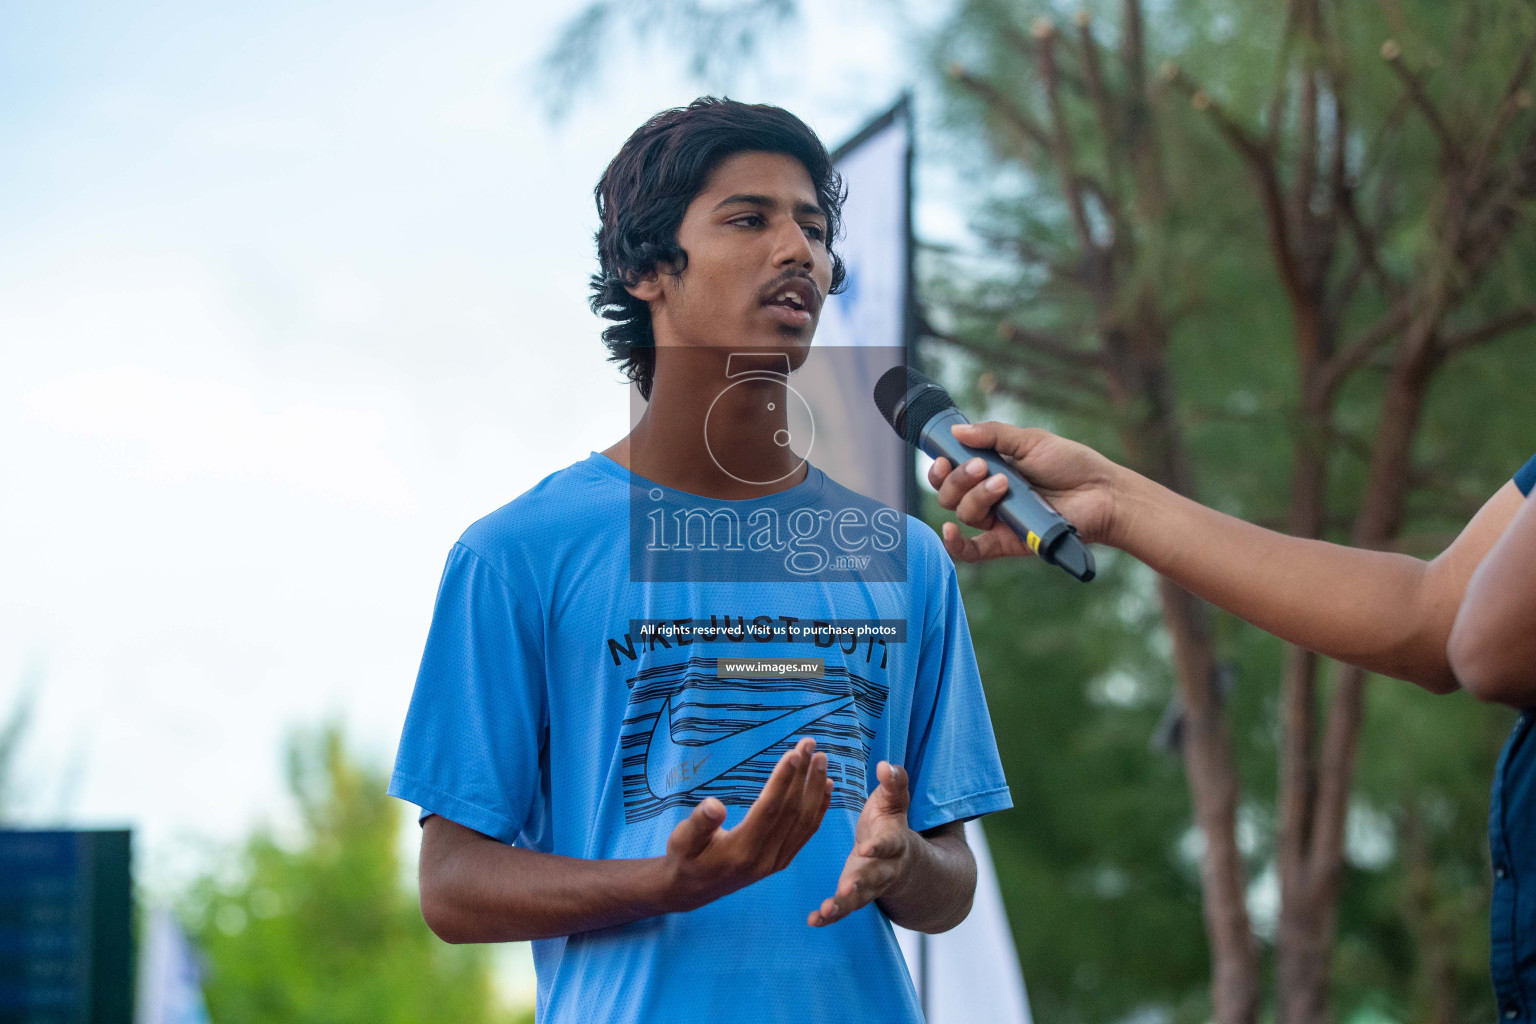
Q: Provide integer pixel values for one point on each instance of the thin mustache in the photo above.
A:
(783, 278)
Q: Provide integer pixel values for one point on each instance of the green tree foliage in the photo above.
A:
(1412, 929)
(325, 931)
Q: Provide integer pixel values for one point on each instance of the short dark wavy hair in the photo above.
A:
(647, 188)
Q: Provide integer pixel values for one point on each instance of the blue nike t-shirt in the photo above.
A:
(582, 690)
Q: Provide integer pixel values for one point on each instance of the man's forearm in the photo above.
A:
(476, 889)
(1375, 609)
(934, 894)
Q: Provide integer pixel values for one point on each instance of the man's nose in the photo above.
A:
(791, 246)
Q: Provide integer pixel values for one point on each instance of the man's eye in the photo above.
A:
(756, 220)
(816, 233)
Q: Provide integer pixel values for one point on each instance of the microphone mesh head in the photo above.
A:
(892, 387)
(907, 399)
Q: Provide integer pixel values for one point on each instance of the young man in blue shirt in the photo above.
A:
(685, 840)
(1465, 620)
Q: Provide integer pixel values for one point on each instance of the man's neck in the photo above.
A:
(711, 435)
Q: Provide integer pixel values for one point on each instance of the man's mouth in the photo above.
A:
(793, 303)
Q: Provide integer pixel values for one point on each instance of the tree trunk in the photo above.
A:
(1314, 799)
(1155, 447)
(1301, 960)
(1433, 933)
(1207, 750)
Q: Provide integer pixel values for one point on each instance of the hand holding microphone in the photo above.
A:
(1038, 504)
(1073, 478)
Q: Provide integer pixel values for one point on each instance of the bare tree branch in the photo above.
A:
(1260, 161)
(1305, 159)
(1248, 147)
(1045, 344)
(1011, 113)
(1061, 139)
(1133, 50)
(1348, 358)
(1099, 94)
(1336, 772)
(1029, 362)
(1029, 49)
(1279, 95)
(1037, 342)
(1053, 402)
(1389, 125)
(1482, 231)
(1413, 83)
(1367, 243)
(1487, 331)
(1515, 99)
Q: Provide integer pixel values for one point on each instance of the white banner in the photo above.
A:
(862, 330)
(871, 310)
(170, 987)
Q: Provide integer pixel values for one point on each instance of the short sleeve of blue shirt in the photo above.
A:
(952, 760)
(477, 718)
(1526, 478)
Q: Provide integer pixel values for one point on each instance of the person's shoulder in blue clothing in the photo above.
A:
(542, 519)
(1525, 479)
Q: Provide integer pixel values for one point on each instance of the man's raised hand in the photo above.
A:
(882, 849)
(705, 862)
(1074, 479)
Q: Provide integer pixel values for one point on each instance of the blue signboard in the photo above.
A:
(65, 927)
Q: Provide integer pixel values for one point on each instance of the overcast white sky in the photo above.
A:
(290, 294)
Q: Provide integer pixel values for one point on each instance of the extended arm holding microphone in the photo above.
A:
(1385, 612)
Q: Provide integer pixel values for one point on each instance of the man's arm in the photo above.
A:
(1492, 648)
(935, 892)
(477, 889)
(924, 881)
(1385, 612)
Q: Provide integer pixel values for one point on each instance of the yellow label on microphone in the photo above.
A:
(1033, 541)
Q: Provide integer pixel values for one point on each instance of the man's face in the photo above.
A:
(758, 268)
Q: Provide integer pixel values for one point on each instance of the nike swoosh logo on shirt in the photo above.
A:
(672, 768)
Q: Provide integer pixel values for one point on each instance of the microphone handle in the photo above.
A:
(1038, 525)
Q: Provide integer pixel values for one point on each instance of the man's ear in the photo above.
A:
(648, 288)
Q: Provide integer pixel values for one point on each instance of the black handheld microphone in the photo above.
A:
(922, 413)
